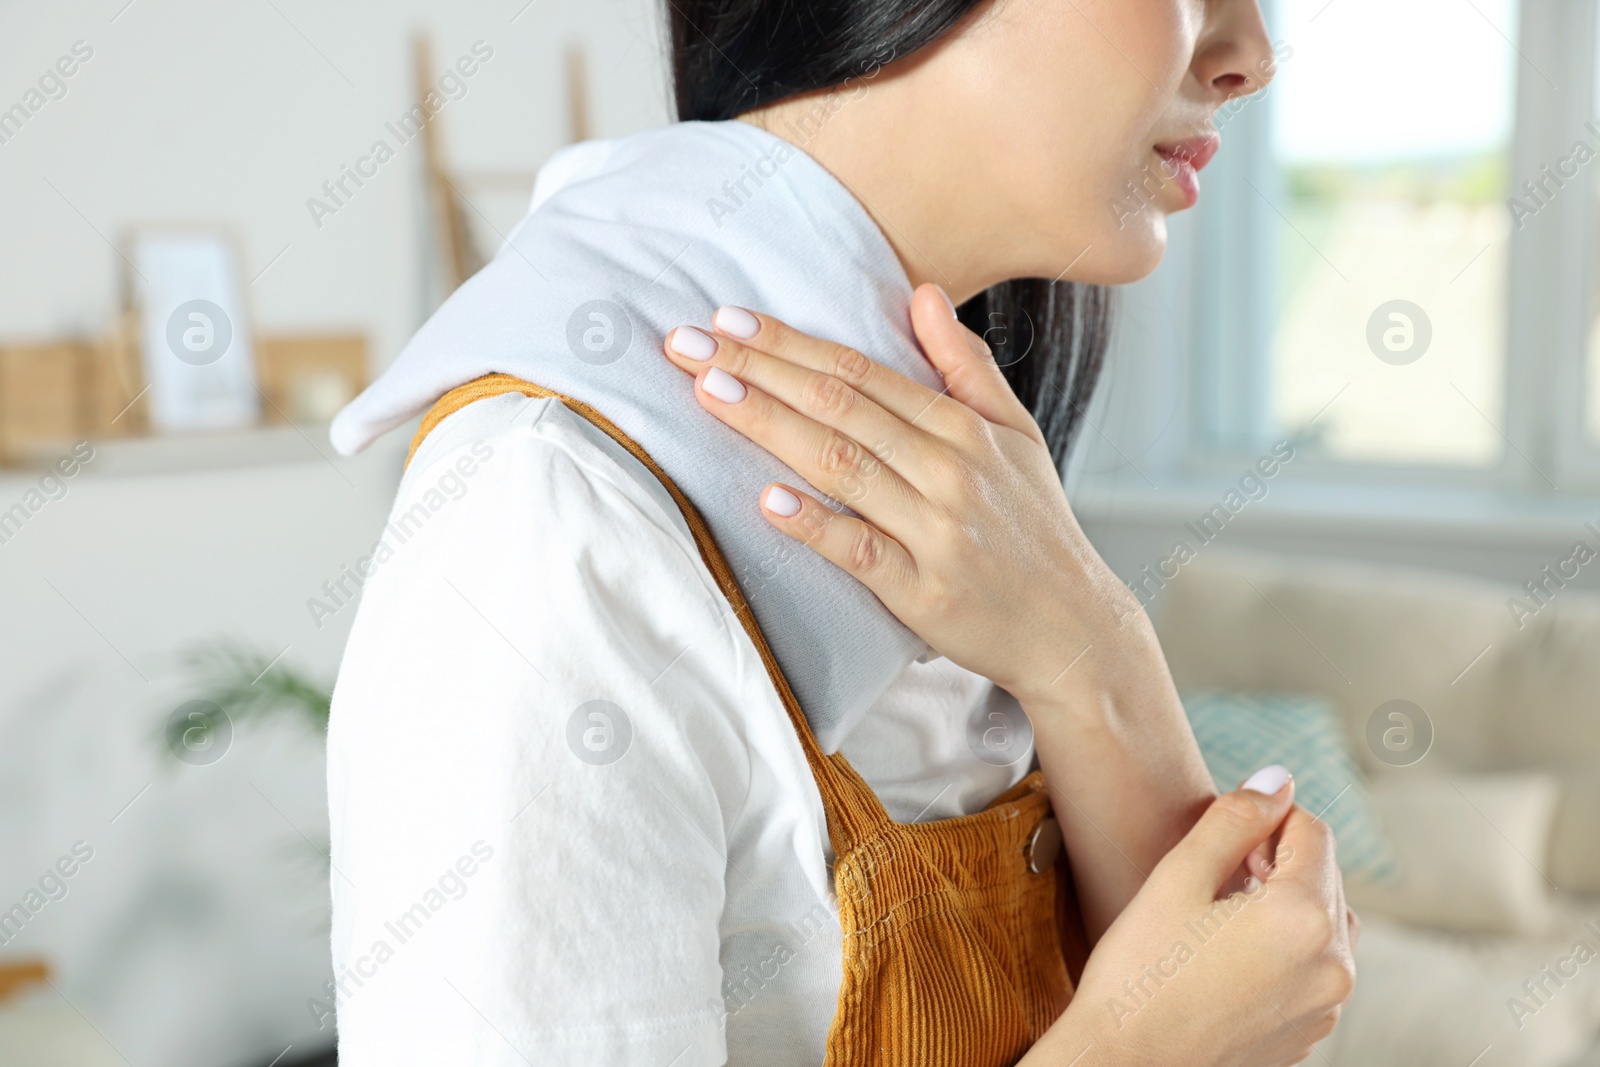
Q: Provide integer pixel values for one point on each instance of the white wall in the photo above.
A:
(197, 933)
(237, 113)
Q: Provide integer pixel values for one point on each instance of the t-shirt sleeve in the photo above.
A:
(534, 754)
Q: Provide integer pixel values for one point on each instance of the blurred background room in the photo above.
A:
(1347, 453)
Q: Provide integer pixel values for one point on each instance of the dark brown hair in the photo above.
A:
(729, 56)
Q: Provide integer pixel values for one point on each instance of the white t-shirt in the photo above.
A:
(571, 820)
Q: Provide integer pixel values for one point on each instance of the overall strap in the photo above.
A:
(853, 810)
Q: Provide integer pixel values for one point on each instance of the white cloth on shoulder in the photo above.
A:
(631, 238)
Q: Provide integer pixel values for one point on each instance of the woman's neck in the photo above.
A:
(870, 137)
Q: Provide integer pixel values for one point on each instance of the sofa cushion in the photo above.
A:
(1551, 713)
(1239, 733)
(1575, 842)
(1363, 635)
(1428, 999)
(1471, 850)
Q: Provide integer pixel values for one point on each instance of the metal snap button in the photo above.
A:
(1044, 845)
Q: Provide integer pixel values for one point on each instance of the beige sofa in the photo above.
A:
(1488, 950)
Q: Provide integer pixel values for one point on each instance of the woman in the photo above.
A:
(682, 720)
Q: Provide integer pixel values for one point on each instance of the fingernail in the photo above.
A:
(1268, 780)
(690, 343)
(736, 322)
(782, 502)
(722, 385)
(947, 301)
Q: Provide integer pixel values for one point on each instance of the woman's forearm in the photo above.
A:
(1125, 775)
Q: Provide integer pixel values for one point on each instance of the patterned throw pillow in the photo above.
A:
(1239, 733)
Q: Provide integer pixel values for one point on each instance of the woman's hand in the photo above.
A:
(1252, 980)
(965, 527)
(966, 535)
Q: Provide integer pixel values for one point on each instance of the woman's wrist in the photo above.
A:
(1116, 747)
(1086, 1034)
(1109, 649)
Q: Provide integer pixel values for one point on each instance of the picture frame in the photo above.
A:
(194, 329)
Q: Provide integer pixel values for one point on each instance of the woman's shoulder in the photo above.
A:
(535, 572)
(543, 447)
(517, 512)
(540, 688)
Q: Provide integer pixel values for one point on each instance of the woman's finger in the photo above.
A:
(1352, 924)
(821, 397)
(925, 408)
(971, 375)
(835, 463)
(866, 553)
(1259, 862)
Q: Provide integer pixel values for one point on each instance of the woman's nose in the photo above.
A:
(1234, 55)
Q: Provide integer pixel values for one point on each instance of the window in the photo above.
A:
(1389, 340)
(1397, 266)
(1591, 386)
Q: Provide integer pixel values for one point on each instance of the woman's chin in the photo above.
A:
(1124, 255)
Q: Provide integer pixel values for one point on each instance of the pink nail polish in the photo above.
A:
(690, 343)
(1268, 780)
(782, 502)
(736, 322)
(722, 385)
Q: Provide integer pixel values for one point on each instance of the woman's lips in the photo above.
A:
(1182, 162)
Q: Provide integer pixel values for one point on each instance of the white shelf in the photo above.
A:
(1452, 515)
(182, 453)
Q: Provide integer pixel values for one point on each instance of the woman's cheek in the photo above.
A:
(1161, 36)
(1166, 36)
(1105, 203)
